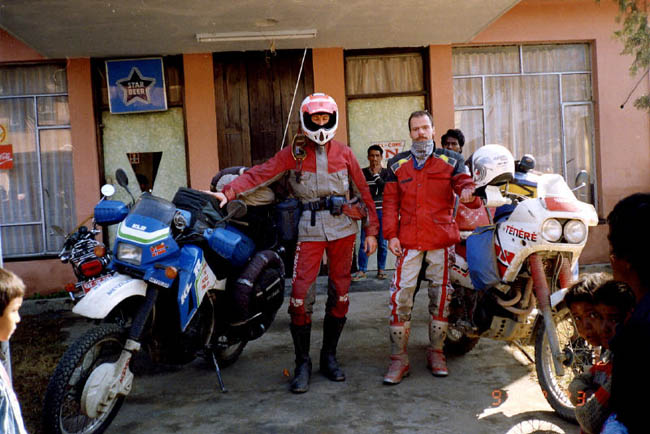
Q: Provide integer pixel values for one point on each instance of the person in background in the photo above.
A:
(613, 302)
(320, 176)
(580, 301)
(453, 140)
(419, 226)
(375, 176)
(629, 238)
(12, 290)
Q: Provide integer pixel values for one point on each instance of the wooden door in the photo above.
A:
(253, 97)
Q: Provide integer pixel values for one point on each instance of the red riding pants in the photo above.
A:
(306, 266)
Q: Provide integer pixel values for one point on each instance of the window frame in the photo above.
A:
(42, 224)
(562, 104)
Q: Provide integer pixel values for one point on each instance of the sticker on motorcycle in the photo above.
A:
(560, 204)
(503, 256)
(90, 284)
(520, 233)
(158, 250)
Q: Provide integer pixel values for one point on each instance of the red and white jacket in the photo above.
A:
(326, 170)
(419, 203)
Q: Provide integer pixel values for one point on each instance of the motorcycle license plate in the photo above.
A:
(90, 284)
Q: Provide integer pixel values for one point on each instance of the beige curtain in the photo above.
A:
(367, 75)
(536, 101)
(38, 191)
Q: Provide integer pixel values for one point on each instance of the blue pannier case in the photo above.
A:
(481, 258)
(231, 244)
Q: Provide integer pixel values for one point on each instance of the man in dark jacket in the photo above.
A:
(375, 177)
(629, 237)
(419, 225)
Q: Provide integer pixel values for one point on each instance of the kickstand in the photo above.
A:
(216, 368)
(523, 350)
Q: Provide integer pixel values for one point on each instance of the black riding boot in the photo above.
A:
(300, 335)
(332, 328)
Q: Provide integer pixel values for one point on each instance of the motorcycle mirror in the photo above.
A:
(108, 190)
(236, 209)
(582, 179)
(121, 177)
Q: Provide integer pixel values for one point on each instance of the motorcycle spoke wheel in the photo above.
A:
(62, 412)
(578, 355)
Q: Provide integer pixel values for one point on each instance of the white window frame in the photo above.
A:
(37, 130)
(562, 105)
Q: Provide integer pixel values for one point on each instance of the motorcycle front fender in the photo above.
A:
(103, 298)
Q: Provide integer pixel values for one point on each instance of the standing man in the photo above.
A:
(375, 177)
(320, 175)
(453, 140)
(419, 225)
(629, 237)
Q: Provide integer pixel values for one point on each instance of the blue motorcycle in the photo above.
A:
(188, 282)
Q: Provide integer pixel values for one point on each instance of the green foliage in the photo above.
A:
(635, 35)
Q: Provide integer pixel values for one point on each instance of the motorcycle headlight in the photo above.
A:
(129, 253)
(552, 230)
(575, 231)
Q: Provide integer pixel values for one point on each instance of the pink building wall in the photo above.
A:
(200, 119)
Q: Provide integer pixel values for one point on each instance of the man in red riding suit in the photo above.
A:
(321, 177)
(419, 225)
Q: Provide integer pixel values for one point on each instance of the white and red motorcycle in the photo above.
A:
(511, 272)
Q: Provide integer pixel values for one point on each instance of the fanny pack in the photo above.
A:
(337, 205)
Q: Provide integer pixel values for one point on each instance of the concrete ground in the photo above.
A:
(492, 389)
(489, 390)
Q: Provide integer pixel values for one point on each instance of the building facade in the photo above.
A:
(545, 78)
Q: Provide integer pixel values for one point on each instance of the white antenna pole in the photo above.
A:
(295, 90)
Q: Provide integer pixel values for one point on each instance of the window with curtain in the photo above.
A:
(384, 74)
(37, 192)
(534, 99)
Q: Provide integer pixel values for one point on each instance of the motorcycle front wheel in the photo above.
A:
(62, 411)
(578, 355)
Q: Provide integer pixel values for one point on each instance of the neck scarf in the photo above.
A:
(421, 150)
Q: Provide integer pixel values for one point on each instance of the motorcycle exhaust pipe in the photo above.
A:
(540, 286)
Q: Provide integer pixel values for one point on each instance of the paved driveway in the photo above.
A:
(489, 390)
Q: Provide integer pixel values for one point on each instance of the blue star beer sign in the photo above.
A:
(136, 85)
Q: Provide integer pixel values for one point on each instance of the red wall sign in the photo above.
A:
(6, 157)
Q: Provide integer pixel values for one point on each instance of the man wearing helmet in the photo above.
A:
(321, 175)
(418, 222)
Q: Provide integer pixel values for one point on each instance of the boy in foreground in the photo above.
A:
(613, 303)
(12, 290)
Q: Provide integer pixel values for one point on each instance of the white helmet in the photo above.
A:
(491, 165)
(319, 103)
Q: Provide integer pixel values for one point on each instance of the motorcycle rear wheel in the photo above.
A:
(578, 354)
(62, 412)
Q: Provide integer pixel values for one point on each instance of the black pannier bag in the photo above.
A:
(203, 207)
(287, 217)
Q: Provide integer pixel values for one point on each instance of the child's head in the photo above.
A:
(12, 290)
(580, 301)
(614, 302)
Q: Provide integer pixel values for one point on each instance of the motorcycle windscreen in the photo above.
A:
(155, 208)
(481, 258)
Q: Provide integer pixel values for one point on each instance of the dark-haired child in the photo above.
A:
(590, 391)
(12, 290)
(580, 301)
